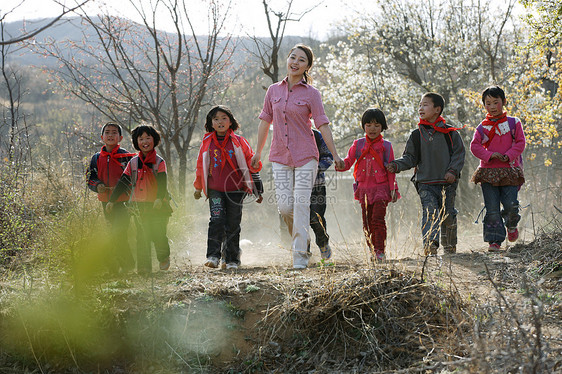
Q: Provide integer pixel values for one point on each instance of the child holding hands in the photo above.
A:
(374, 187)
(437, 152)
(498, 142)
(145, 180)
(225, 175)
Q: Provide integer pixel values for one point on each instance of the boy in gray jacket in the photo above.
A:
(437, 152)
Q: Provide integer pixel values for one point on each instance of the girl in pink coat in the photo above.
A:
(498, 142)
(374, 187)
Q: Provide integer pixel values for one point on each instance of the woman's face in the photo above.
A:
(146, 143)
(297, 63)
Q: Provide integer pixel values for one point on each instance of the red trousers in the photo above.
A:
(374, 225)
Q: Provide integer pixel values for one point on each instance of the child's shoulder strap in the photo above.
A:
(359, 147)
(512, 126)
(386, 155)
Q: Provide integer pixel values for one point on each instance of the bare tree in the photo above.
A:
(32, 33)
(136, 73)
(267, 51)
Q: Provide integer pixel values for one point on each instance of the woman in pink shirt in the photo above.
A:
(289, 105)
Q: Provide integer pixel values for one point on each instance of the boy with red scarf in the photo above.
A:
(104, 171)
(498, 142)
(145, 180)
(374, 187)
(437, 152)
(225, 175)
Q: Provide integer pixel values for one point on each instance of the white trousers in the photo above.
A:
(293, 186)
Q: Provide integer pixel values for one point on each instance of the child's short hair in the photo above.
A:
(493, 91)
(108, 124)
(436, 99)
(375, 115)
(234, 125)
(142, 129)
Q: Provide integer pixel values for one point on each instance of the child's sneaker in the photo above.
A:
(326, 252)
(212, 262)
(165, 265)
(231, 266)
(494, 247)
(512, 234)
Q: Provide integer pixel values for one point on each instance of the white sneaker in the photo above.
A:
(212, 262)
(231, 266)
(299, 267)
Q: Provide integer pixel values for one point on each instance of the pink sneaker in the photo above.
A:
(494, 247)
(512, 234)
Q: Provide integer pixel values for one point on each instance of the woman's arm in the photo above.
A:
(263, 131)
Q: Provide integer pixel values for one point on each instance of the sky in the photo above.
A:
(247, 15)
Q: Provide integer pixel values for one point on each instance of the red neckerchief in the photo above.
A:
(222, 147)
(494, 122)
(369, 148)
(444, 130)
(149, 159)
(113, 155)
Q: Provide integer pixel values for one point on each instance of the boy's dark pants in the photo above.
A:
(224, 225)
(118, 220)
(317, 211)
(495, 221)
(438, 205)
(151, 228)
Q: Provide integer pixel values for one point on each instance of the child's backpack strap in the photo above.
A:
(135, 166)
(359, 148)
(512, 126)
(386, 154)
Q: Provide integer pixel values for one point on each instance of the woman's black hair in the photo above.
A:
(142, 129)
(375, 115)
(309, 55)
(234, 125)
(493, 91)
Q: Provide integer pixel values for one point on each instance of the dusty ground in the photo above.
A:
(266, 278)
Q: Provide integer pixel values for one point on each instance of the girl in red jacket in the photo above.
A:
(225, 176)
(374, 187)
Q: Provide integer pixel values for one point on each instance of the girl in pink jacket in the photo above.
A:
(498, 142)
(374, 187)
(224, 173)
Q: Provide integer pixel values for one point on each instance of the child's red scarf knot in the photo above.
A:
(444, 130)
(149, 159)
(370, 149)
(113, 155)
(493, 122)
(222, 147)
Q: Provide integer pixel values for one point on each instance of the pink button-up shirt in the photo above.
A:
(290, 111)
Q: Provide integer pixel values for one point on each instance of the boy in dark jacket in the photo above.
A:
(104, 171)
(437, 152)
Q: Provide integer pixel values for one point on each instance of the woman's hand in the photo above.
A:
(109, 207)
(339, 164)
(255, 163)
